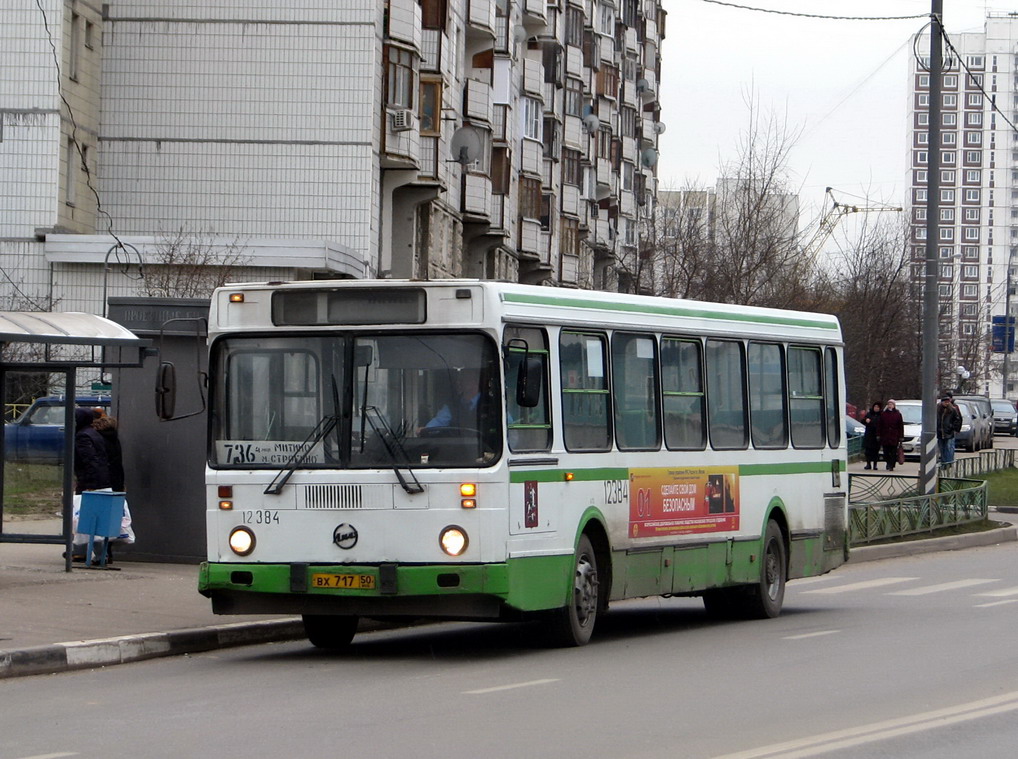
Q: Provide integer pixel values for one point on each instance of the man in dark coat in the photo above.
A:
(890, 431)
(948, 425)
(91, 462)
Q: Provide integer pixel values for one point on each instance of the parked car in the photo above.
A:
(853, 427)
(1005, 416)
(912, 416)
(983, 431)
(37, 436)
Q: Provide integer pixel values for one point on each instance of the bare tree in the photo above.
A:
(879, 306)
(739, 243)
(191, 264)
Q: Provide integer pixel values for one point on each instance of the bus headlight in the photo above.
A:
(242, 541)
(453, 540)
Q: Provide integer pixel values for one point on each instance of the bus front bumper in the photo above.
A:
(449, 591)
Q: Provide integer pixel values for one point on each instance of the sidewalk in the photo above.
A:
(52, 620)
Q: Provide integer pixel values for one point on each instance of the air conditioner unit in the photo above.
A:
(403, 120)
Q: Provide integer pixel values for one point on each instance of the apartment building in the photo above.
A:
(504, 139)
(977, 203)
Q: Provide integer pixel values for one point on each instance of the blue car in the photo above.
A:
(37, 436)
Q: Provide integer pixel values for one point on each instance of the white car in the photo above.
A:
(912, 415)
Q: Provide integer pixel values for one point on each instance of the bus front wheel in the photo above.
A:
(330, 631)
(573, 624)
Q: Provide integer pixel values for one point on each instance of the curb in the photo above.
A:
(950, 543)
(105, 652)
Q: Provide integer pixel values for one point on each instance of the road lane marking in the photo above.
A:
(944, 586)
(878, 731)
(997, 603)
(1000, 593)
(865, 585)
(513, 686)
(50, 756)
(810, 635)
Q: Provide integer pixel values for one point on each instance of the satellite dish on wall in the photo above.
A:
(520, 34)
(648, 157)
(642, 85)
(465, 145)
(659, 127)
(591, 123)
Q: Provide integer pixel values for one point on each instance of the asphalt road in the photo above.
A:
(906, 657)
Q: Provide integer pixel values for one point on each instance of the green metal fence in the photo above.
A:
(884, 507)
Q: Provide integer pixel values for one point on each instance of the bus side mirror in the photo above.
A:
(528, 382)
(166, 390)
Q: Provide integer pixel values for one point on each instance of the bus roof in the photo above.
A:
(595, 308)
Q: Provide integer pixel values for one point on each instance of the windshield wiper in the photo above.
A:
(325, 425)
(391, 440)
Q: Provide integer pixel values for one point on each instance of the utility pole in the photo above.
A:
(931, 293)
(1008, 334)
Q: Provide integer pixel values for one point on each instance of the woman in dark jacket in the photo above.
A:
(870, 441)
(91, 462)
(890, 432)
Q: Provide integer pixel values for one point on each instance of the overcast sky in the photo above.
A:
(844, 84)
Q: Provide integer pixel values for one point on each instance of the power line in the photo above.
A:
(977, 79)
(815, 15)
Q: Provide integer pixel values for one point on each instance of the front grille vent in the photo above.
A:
(341, 497)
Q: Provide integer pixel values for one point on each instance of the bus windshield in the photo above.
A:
(356, 401)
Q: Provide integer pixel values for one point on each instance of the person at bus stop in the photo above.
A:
(870, 441)
(890, 432)
(91, 467)
(948, 425)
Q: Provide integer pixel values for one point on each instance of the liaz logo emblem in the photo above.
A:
(345, 536)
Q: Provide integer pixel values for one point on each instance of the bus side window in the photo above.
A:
(684, 399)
(726, 394)
(586, 423)
(834, 423)
(806, 397)
(767, 407)
(529, 428)
(634, 371)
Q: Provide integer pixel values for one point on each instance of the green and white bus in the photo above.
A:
(479, 450)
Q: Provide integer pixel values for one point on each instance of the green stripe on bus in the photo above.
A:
(579, 475)
(795, 467)
(622, 473)
(697, 313)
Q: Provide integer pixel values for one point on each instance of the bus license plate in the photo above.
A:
(345, 581)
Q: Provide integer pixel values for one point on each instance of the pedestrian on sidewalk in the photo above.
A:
(870, 441)
(890, 432)
(948, 425)
(91, 468)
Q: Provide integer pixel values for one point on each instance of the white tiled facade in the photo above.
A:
(978, 198)
(323, 137)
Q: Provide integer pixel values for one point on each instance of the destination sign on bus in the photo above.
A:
(351, 306)
(278, 452)
(666, 501)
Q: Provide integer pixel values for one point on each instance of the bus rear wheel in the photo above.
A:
(328, 631)
(573, 624)
(763, 600)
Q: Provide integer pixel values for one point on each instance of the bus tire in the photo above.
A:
(763, 600)
(573, 624)
(330, 631)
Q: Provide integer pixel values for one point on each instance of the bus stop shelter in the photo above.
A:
(66, 343)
